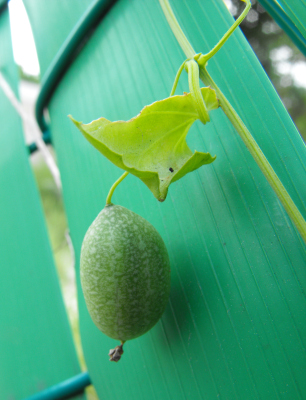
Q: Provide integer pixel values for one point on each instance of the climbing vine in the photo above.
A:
(152, 145)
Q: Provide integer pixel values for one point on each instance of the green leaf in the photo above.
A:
(152, 145)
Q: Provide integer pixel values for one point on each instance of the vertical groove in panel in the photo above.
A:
(226, 307)
(238, 286)
(251, 97)
(237, 263)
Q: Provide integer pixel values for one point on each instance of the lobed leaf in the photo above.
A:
(152, 145)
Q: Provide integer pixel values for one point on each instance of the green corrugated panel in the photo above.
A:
(296, 11)
(69, 16)
(36, 346)
(235, 324)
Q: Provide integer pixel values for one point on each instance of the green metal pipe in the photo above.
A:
(3, 6)
(66, 54)
(46, 138)
(64, 390)
(282, 19)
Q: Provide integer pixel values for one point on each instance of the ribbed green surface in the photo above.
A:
(283, 20)
(296, 11)
(235, 325)
(36, 347)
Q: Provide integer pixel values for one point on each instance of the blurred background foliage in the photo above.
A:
(285, 66)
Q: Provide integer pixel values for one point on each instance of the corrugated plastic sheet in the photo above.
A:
(36, 346)
(296, 11)
(235, 324)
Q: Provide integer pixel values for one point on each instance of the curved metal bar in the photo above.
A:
(64, 57)
(46, 138)
(64, 390)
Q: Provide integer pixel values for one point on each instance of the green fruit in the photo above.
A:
(125, 273)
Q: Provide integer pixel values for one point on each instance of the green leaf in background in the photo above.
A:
(152, 145)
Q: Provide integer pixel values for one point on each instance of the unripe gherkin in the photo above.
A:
(125, 273)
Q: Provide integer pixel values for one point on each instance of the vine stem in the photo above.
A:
(177, 77)
(204, 58)
(112, 189)
(236, 121)
(192, 68)
(258, 156)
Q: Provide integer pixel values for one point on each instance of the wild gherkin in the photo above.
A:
(125, 274)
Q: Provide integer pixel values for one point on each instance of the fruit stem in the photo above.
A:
(112, 189)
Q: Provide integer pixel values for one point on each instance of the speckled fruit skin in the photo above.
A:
(125, 273)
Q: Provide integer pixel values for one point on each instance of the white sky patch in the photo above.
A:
(270, 27)
(232, 9)
(252, 16)
(296, 70)
(282, 53)
(23, 41)
(283, 67)
(298, 73)
(25, 51)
